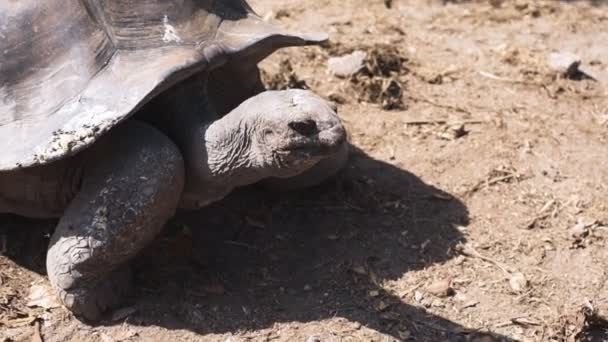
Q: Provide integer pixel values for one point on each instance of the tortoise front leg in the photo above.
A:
(132, 183)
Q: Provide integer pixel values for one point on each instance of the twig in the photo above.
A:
(430, 324)
(525, 321)
(241, 244)
(499, 179)
(510, 80)
(470, 251)
(518, 321)
(535, 220)
(431, 102)
(544, 213)
(497, 78)
(487, 183)
(442, 122)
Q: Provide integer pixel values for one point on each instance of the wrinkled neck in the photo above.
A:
(218, 157)
(227, 143)
(217, 151)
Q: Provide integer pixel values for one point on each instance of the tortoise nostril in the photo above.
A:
(305, 127)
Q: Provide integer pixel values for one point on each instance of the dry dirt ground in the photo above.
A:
(474, 206)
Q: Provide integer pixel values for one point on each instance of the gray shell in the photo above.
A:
(72, 70)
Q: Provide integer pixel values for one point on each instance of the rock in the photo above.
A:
(460, 297)
(313, 339)
(418, 296)
(459, 260)
(381, 305)
(453, 132)
(347, 65)
(564, 63)
(441, 288)
(359, 270)
(374, 293)
(518, 282)
(580, 230)
(332, 237)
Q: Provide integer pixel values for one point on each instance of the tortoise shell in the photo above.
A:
(72, 70)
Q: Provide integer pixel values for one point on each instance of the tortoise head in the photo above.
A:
(276, 134)
(291, 130)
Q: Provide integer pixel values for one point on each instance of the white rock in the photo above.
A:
(564, 62)
(347, 65)
(41, 295)
(518, 282)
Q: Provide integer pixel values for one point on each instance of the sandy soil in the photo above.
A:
(473, 208)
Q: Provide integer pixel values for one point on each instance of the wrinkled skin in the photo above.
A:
(279, 134)
(114, 197)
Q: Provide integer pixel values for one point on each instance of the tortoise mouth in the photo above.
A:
(324, 143)
(311, 149)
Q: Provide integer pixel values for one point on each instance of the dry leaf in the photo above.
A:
(123, 313)
(359, 270)
(41, 295)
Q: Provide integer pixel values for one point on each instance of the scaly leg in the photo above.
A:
(132, 182)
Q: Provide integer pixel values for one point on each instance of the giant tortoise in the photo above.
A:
(114, 113)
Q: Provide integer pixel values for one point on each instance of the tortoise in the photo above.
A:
(115, 113)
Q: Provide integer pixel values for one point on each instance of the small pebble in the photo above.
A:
(579, 231)
(359, 270)
(346, 65)
(404, 334)
(441, 288)
(381, 306)
(518, 282)
(459, 260)
(332, 237)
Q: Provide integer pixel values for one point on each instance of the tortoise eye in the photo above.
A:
(306, 127)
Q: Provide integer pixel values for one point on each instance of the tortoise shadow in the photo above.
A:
(256, 259)
(259, 258)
